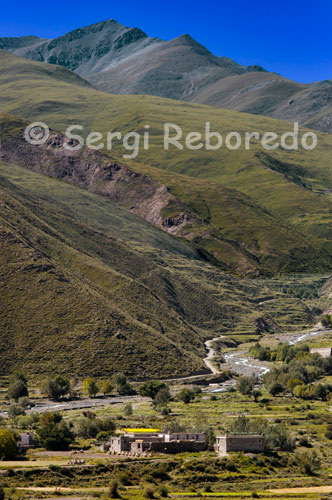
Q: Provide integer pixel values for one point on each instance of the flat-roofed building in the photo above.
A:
(26, 441)
(248, 443)
(135, 442)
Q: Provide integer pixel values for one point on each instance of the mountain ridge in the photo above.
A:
(119, 59)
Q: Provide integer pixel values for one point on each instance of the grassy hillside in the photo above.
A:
(269, 94)
(283, 187)
(90, 288)
(246, 239)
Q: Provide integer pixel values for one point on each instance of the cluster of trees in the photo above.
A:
(317, 391)
(284, 352)
(277, 436)
(56, 387)
(299, 371)
(246, 386)
(93, 427)
(159, 393)
(54, 433)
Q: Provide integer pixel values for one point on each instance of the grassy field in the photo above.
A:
(270, 475)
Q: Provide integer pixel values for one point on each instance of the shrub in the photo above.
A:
(113, 490)
(163, 491)
(304, 442)
(309, 462)
(245, 385)
(124, 479)
(128, 409)
(148, 492)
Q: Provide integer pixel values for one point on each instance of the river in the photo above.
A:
(239, 361)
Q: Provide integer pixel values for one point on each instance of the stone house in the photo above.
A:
(136, 443)
(248, 443)
(26, 441)
(185, 436)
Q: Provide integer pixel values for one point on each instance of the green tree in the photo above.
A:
(128, 409)
(162, 397)
(151, 388)
(277, 437)
(121, 384)
(86, 428)
(106, 387)
(256, 394)
(54, 434)
(106, 424)
(2, 493)
(186, 395)
(326, 320)
(245, 385)
(276, 388)
(90, 386)
(292, 383)
(56, 386)
(8, 448)
(241, 425)
(17, 389)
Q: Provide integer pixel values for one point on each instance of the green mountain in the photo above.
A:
(118, 59)
(273, 209)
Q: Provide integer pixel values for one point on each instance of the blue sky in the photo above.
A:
(292, 38)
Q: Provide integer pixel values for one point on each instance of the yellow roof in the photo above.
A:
(142, 430)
